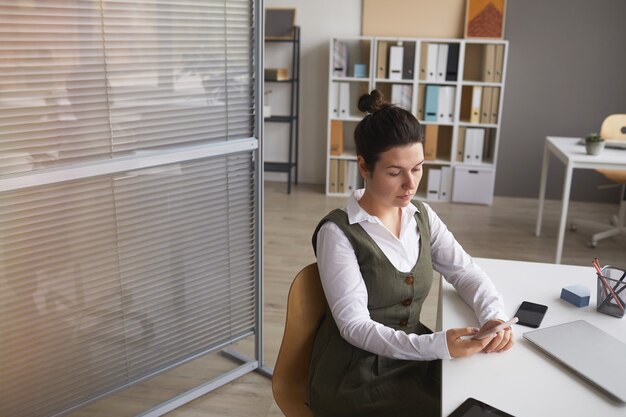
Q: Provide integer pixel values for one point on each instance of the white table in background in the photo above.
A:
(573, 157)
(524, 381)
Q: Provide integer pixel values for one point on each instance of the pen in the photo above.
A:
(606, 284)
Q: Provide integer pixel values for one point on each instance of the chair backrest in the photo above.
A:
(614, 127)
(306, 306)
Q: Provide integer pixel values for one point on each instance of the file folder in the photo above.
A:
(495, 105)
(341, 176)
(499, 63)
(344, 100)
(340, 58)
(478, 145)
(485, 107)
(421, 101)
(431, 62)
(434, 182)
(460, 146)
(336, 137)
(423, 60)
(468, 148)
(352, 176)
(396, 55)
(445, 104)
(489, 61)
(476, 102)
(442, 62)
(432, 106)
(382, 57)
(334, 166)
(431, 136)
(446, 184)
(452, 66)
(401, 95)
(334, 99)
(408, 61)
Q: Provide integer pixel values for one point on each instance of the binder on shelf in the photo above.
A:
(452, 66)
(381, 59)
(423, 60)
(495, 105)
(442, 62)
(341, 176)
(408, 61)
(340, 58)
(336, 137)
(445, 186)
(431, 136)
(352, 176)
(344, 100)
(421, 97)
(432, 106)
(334, 99)
(485, 106)
(401, 95)
(468, 146)
(498, 63)
(445, 104)
(478, 146)
(466, 104)
(431, 62)
(474, 143)
(460, 147)
(488, 64)
(476, 102)
(334, 166)
(434, 182)
(396, 55)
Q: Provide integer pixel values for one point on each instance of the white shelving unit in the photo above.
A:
(467, 182)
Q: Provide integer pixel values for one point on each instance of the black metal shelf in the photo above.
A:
(290, 167)
(281, 119)
(291, 80)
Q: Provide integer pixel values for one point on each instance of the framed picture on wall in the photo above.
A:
(485, 19)
(279, 23)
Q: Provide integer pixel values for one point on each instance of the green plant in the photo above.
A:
(594, 137)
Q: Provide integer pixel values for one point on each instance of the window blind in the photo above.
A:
(109, 278)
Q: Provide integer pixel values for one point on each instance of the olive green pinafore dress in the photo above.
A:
(347, 381)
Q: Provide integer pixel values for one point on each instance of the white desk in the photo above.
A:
(524, 381)
(573, 157)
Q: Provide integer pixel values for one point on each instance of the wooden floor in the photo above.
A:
(504, 230)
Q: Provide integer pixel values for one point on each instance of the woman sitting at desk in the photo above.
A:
(373, 357)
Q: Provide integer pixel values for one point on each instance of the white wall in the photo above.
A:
(319, 20)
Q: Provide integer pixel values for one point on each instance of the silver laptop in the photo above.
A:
(590, 352)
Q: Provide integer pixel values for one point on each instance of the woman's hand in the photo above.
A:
(503, 340)
(459, 347)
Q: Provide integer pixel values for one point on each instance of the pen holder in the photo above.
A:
(612, 291)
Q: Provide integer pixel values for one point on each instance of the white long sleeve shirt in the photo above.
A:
(347, 295)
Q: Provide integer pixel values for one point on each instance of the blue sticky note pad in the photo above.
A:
(576, 294)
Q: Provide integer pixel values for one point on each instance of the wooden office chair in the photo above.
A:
(613, 128)
(306, 306)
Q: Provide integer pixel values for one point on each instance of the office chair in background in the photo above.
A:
(614, 128)
(306, 307)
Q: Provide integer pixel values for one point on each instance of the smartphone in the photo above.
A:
(531, 314)
(488, 332)
(476, 408)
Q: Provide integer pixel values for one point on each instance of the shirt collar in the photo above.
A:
(356, 214)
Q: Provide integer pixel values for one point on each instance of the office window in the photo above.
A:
(128, 192)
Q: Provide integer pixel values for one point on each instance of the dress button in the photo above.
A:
(409, 279)
(403, 322)
(407, 302)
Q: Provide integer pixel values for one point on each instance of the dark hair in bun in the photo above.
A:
(386, 126)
